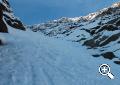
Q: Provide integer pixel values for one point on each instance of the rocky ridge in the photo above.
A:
(99, 31)
(7, 17)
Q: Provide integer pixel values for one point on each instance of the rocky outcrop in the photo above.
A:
(108, 55)
(117, 23)
(0, 42)
(7, 18)
(3, 27)
(99, 31)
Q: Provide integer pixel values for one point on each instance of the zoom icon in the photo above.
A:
(104, 70)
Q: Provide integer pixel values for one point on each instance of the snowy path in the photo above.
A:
(32, 59)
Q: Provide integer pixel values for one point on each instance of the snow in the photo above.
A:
(29, 58)
(117, 4)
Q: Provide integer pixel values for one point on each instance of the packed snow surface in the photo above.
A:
(29, 58)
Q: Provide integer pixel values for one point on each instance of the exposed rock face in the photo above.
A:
(99, 31)
(3, 27)
(108, 55)
(7, 17)
(117, 23)
(0, 42)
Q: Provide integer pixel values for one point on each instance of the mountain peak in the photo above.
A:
(117, 4)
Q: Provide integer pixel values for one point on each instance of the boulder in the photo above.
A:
(108, 55)
(91, 43)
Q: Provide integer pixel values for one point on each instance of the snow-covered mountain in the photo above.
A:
(31, 58)
(7, 17)
(99, 31)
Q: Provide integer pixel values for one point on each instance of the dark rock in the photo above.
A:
(90, 43)
(92, 31)
(17, 24)
(78, 36)
(99, 40)
(97, 27)
(110, 39)
(3, 27)
(108, 27)
(112, 21)
(96, 55)
(117, 62)
(117, 23)
(8, 19)
(102, 50)
(95, 42)
(80, 39)
(108, 55)
(118, 41)
(87, 30)
(1, 42)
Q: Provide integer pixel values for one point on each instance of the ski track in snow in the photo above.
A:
(30, 58)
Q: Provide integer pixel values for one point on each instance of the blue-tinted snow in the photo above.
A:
(29, 58)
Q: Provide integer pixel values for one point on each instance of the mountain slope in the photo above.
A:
(29, 58)
(7, 17)
(41, 60)
(99, 31)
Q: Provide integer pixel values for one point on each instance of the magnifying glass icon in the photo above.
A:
(104, 70)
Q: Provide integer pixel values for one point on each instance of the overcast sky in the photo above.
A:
(37, 11)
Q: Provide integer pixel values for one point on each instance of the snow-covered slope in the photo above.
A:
(99, 31)
(31, 58)
(41, 60)
(7, 18)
